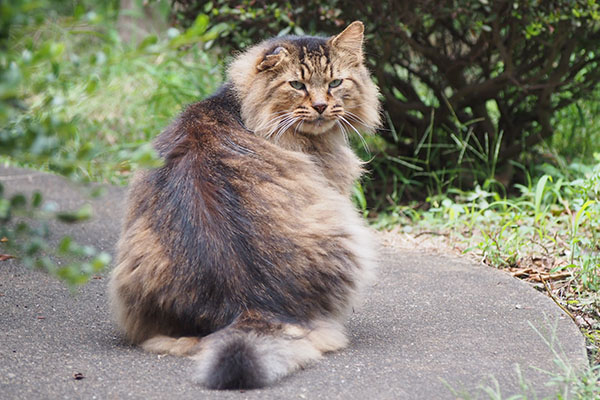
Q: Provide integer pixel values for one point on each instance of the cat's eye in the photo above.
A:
(297, 85)
(335, 83)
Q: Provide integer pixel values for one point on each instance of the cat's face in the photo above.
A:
(306, 86)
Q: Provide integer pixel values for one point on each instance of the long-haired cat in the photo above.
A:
(244, 250)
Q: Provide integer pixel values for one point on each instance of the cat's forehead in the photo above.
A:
(310, 55)
(310, 48)
(302, 46)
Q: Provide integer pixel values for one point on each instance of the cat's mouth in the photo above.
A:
(317, 125)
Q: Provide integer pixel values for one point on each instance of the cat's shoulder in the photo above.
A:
(222, 107)
(209, 121)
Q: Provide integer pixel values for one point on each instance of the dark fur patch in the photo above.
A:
(236, 367)
(306, 46)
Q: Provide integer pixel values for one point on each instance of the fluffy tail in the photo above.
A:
(249, 358)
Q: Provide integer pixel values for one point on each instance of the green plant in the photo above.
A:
(76, 100)
(24, 232)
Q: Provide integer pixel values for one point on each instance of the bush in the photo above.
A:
(77, 101)
(470, 86)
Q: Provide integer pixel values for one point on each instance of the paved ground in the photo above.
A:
(432, 322)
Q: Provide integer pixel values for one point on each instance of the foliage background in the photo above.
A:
(472, 88)
(78, 100)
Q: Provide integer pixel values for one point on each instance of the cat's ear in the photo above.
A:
(273, 58)
(350, 40)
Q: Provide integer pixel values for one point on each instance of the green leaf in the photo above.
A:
(72, 274)
(34, 246)
(193, 34)
(85, 151)
(580, 213)
(148, 41)
(100, 262)
(65, 245)
(18, 201)
(36, 199)
(539, 194)
(200, 24)
(84, 213)
(214, 32)
(4, 208)
(92, 84)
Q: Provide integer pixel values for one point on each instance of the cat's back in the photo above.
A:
(201, 125)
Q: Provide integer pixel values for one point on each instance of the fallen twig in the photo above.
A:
(549, 291)
(431, 233)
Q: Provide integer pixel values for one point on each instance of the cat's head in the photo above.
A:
(303, 85)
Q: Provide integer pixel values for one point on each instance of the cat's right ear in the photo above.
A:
(272, 59)
(351, 39)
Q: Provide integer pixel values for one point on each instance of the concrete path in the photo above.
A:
(431, 323)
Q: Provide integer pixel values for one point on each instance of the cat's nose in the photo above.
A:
(320, 107)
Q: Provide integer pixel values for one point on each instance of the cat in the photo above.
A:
(244, 250)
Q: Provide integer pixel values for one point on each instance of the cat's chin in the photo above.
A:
(316, 127)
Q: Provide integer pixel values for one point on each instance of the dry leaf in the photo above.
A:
(4, 257)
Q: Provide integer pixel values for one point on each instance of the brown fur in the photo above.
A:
(244, 249)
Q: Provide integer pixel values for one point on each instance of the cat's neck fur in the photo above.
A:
(331, 153)
(328, 150)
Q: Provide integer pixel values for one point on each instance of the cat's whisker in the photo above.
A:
(362, 139)
(343, 131)
(276, 123)
(285, 127)
(268, 128)
(374, 127)
(350, 113)
(291, 124)
(276, 120)
(298, 126)
(358, 119)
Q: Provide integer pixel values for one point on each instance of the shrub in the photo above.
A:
(469, 85)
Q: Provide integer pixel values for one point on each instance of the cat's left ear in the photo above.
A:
(350, 40)
(272, 59)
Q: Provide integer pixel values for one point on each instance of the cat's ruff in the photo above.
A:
(244, 250)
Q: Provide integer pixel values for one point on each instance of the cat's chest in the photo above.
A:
(340, 166)
(333, 158)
